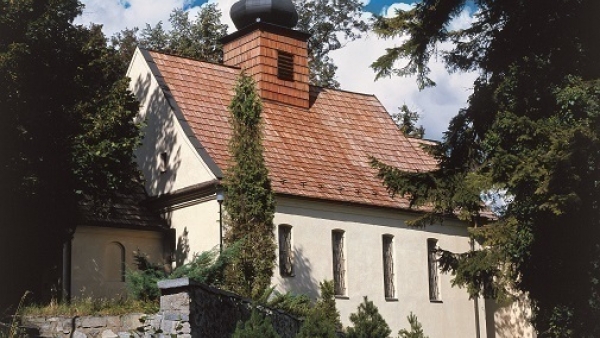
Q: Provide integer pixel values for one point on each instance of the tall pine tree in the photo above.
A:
(531, 128)
(249, 200)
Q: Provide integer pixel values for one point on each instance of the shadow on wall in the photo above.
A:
(512, 320)
(182, 250)
(159, 156)
(303, 281)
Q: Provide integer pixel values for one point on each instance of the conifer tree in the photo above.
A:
(249, 200)
(323, 319)
(531, 128)
(258, 326)
(368, 322)
(416, 330)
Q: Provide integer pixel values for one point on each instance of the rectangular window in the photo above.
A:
(388, 266)
(339, 262)
(432, 261)
(285, 66)
(286, 266)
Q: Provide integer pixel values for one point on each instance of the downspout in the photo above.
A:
(66, 269)
(476, 299)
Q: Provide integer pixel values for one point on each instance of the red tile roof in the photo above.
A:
(321, 152)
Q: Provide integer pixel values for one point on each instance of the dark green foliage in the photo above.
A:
(406, 120)
(368, 323)
(323, 320)
(532, 129)
(258, 326)
(296, 305)
(416, 330)
(141, 283)
(327, 21)
(207, 267)
(197, 39)
(66, 131)
(249, 200)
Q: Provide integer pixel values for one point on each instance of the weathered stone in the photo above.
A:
(79, 334)
(67, 325)
(184, 328)
(176, 316)
(113, 321)
(94, 321)
(168, 326)
(109, 334)
(132, 321)
(185, 336)
(126, 335)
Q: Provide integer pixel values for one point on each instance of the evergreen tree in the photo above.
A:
(416, 330)
(66, 131)
(406, 120)
(258, 326)
(531, 128)
(323, 319)
(249, 202)
(368, 323)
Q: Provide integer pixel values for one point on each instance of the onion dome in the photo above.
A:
(277, 12)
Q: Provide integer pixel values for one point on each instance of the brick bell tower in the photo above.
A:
(268, 49)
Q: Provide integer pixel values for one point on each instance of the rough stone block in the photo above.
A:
(79, 334)
(113, 321)
(109, 334)
(126, 335)
(94, 321)
(132, 321)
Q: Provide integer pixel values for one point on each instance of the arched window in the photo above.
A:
(388, 266)
(339, 262)
(432, 262)
(286, 259)
(114, 262)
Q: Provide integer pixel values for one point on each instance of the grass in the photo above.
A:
(90, 306)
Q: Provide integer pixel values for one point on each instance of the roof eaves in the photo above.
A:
(212, 165)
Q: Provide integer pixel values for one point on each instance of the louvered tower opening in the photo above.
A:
(285, 66)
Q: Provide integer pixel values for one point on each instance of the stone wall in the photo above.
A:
(187, 310)
(211, 313)
(126, 326)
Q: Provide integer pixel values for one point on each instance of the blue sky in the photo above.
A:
(435, 105)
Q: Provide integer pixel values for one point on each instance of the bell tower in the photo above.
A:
(268, 49)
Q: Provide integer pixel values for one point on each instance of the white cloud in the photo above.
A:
(435, 105)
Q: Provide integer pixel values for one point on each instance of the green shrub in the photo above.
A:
(368, 323)
(141, 283)
(258, 326)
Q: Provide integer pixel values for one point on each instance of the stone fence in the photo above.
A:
(211, 313)
(187, 310)
(125, 326)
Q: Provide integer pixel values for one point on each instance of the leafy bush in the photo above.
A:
(258, 326)
(141, 283)
(368, 323)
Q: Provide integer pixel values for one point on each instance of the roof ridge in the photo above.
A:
(190, 58)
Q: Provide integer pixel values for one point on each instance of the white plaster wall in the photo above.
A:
(162, 133)
(312, 224)
(196, 226)
(89, 251)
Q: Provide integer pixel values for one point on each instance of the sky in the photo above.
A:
(436, 106)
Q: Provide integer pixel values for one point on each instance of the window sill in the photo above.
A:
(435, 301)
(341, 297)
(391, 299)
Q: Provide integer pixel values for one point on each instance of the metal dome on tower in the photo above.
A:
(276, 12)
